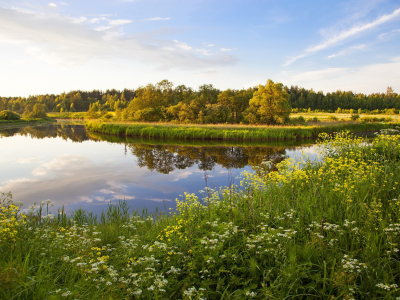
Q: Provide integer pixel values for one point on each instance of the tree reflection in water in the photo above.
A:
(166, 156)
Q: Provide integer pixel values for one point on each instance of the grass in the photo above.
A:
(208, 132)
(67, 115)
(327, 117)
(313, 230)
(23, 121)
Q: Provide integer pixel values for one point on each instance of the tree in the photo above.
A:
(38, 111)
(9, 115)
(389, 91)
(271, 103)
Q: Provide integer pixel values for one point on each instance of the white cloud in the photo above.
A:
(389, 34)
(52, 5)
(368, 79)
(28, 160)
(94, 20)
(106, 191)
(102, 28)
(63, 3)
(334, 39)
(183, 46)
(347, 51)
(69, 42)
(225, 49)
(119, 22)
(204, 51)
(157, 19)
(210, 45)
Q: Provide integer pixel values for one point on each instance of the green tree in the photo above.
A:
(38, 111)
(271, 103)
(9, 115)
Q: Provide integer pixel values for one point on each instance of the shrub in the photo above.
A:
(9, 115)
(313, 120)
(355, 117)
(333, 118)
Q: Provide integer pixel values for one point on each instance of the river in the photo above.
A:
(76, 169)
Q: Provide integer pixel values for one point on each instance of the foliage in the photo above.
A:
(37, 111)
(327, 229)
(164, 102)
(270, 104)
(9, 115)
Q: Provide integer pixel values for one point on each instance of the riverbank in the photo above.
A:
(23, 122)
(229, 132)
(327, 230)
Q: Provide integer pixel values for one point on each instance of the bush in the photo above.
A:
(333, 118)
(9, 115)
(375, 119)
(355, 117)
(297, 120)
(313, 120)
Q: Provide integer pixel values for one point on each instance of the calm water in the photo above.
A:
(74, 168)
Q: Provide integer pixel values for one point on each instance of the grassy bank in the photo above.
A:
(67, 115)
(327, 230)
(231, 132)
(8, 123)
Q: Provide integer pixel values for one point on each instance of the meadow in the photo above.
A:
(325, 229)
(229, 132)
(330, 117)
(67, 115)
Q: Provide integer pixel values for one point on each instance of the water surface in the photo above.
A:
(74, 168)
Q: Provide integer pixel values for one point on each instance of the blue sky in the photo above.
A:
(53, 46)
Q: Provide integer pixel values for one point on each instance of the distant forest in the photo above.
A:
(163, 101)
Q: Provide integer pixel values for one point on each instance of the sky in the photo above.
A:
(53, 46)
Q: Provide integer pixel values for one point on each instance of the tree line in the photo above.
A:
(270, 103)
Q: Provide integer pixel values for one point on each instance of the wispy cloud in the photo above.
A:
(52, 5)
(157, 19)
(181, 45)
(70, 42)
(225, 49)
(334, 39)
(119, 22)
(367, 79)
(102, 28)
(389, 34)
(347, 51)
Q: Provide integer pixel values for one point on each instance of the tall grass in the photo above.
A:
(23, 121)
(228, 133)
(328, 229)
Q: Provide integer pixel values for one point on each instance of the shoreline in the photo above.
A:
(230, 132)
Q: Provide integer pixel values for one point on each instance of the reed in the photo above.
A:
(231, 133)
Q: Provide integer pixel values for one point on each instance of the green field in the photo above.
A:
(325, 117)
(313, 230)
(67, 115)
